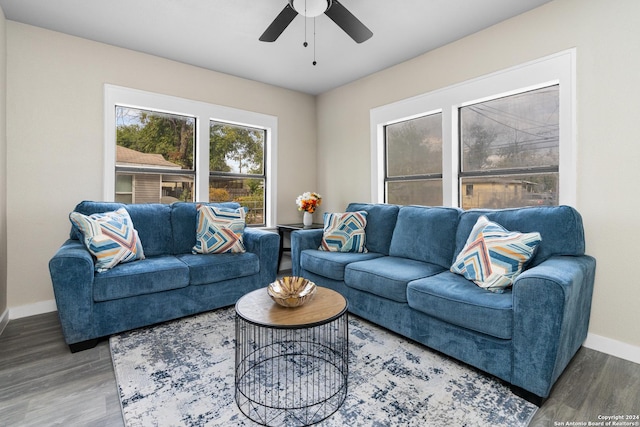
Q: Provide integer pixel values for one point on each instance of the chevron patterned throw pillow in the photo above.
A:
(110, 237)
(344, 232)
(493, 257)
(219, 230)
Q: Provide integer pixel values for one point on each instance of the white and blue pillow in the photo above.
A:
(493, 257)
(110, 237)
(344, 232)
(219, 230)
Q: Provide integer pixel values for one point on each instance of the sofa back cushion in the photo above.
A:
(426, 234)
(560, 228)
(152, 221)
(381, 220)
(184, 224)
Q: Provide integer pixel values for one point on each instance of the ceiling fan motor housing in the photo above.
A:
(310, 8)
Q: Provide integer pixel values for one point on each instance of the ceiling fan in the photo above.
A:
(312, 8)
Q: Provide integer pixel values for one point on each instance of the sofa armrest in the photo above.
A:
(301, 240)
(265, 244)
(72, 271)
(551, 307)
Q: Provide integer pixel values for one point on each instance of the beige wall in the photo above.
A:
(607, 38)
(3, 170)
(55, 136)
(54, 132)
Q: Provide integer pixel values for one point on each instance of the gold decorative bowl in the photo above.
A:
(291, 291)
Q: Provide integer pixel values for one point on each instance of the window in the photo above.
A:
(160, 148)
(413, 151)
(509, 150)
(507, 139)
(154, 156)
(236, 167)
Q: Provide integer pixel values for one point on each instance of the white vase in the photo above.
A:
(307, 219)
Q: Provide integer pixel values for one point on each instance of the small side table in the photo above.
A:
(291, 364)
(288, 228)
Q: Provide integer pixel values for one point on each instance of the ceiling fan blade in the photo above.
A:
(349, 23)
(279, 24)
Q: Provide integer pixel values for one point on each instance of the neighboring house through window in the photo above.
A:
(150, 187)
(502, 140)
(163, 149)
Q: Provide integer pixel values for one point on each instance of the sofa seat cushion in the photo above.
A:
(331, 264)
(205, 269)
(388, 276)
(452, 298)
(147, 276)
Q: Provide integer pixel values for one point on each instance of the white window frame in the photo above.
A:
(554, 69)
(204, 113)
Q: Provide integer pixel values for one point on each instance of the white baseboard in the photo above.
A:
(32, 309)
(4, 320)
(614, 348)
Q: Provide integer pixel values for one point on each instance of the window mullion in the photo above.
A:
(413, 177)
(450, 157)
(515, 171)
(202, 157)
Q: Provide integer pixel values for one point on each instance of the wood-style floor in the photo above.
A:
(43, 384)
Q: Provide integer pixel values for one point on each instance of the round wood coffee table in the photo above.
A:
(291, 364)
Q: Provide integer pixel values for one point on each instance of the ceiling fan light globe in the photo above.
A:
(310, 8)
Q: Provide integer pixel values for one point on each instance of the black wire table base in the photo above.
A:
(291, 376)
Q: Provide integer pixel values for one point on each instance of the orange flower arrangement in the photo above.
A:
(309, 201)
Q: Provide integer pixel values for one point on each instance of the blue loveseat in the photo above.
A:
(525, 336)
(171, 281)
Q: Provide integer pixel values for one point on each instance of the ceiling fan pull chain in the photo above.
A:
(314, 41)
(305, 44)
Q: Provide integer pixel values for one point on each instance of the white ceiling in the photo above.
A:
(222, 35)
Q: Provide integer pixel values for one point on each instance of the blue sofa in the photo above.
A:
(525, 336)
(171, 281)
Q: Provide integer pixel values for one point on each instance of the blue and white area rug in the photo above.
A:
(181, 373)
